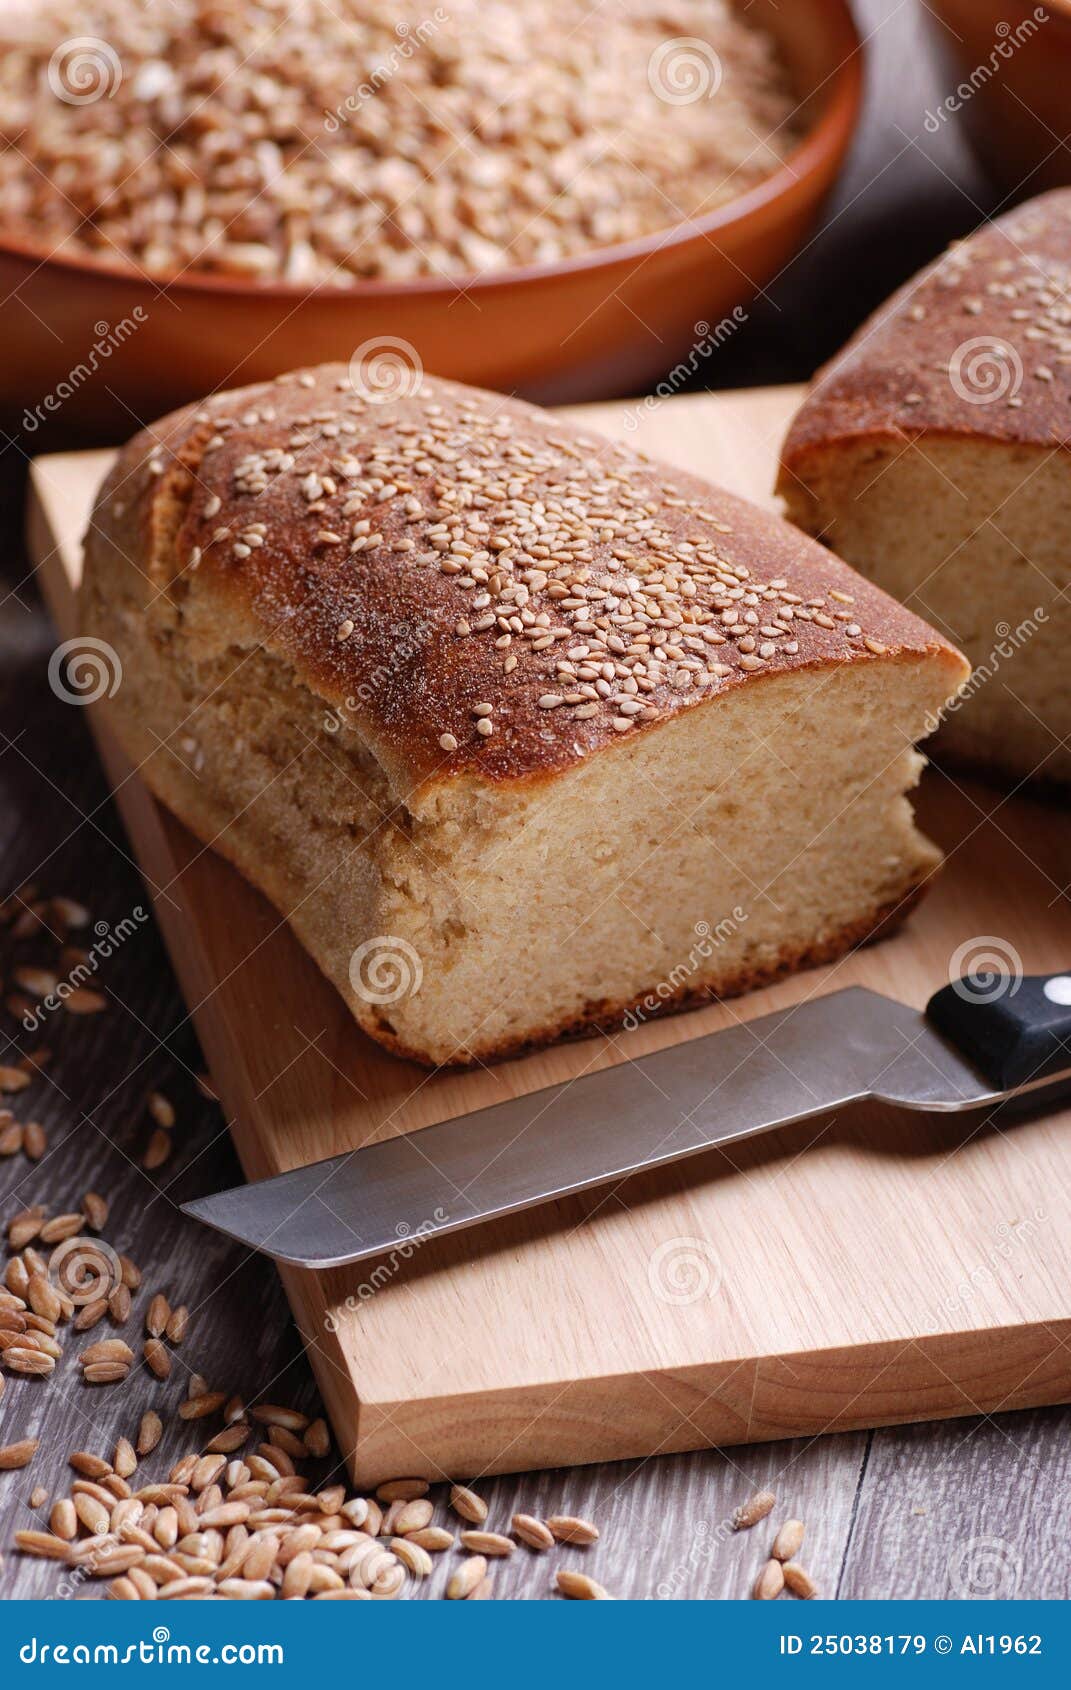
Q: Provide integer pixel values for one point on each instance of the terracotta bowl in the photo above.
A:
(1008, 71)
(95, 349)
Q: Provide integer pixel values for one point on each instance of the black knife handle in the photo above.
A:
(1014, 1029)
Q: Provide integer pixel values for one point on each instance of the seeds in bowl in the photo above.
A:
(335, 141)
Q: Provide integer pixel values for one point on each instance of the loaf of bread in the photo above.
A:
(932, 453)
(523, 733)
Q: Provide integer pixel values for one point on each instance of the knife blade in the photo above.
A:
(710, 1091)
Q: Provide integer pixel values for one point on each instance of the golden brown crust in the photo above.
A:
(975, 347)
(656, 591)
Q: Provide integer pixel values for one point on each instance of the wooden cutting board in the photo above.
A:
(852, 1272)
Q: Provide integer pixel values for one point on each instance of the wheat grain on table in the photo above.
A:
(970, 1506)
(110, 1092)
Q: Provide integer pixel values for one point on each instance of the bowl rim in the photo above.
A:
(1023, 7)
(829, 136)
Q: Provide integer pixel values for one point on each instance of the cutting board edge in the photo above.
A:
(940, 1377)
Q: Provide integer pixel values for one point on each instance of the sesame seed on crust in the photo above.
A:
(537, 592)
(977, 346)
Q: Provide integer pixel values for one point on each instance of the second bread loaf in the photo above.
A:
(935, 455)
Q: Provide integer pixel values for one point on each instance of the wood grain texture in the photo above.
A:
(562, 1335)
(893, 210)
(666, 1527)
(971, 1510)
(58, 827)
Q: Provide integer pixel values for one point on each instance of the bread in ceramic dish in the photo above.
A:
(932, 453)
(519, 730)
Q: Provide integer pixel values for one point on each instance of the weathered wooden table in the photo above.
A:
(971, 1507)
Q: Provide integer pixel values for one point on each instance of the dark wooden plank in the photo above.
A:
(663, 1520)
(57, 826)
(666, 1524)
(970, 1508)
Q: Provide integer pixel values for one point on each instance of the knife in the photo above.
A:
(982, 1041)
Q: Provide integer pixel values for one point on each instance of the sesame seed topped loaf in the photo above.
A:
(521, 731)
(932, 453)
